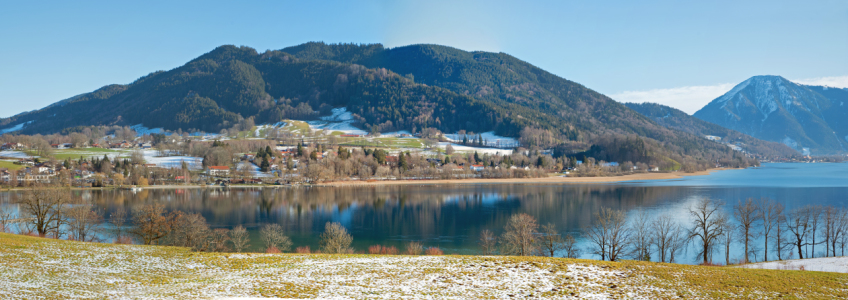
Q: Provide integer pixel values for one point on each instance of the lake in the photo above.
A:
(452, 216)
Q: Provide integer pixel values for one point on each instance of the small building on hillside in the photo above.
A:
(218, 171)
(653, 168)
(477, 168)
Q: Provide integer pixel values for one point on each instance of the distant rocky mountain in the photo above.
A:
(676, 119)
(810, 119)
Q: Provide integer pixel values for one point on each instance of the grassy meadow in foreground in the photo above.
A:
(33, 268)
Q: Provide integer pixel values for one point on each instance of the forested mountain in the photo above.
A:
(676, 119)
(411, 88)
(807, 118)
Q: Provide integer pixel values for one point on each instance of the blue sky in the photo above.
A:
(682, 53)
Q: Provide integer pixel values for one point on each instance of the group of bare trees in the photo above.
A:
(521, 237)
(758, 227)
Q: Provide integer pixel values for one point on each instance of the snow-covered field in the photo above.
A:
(79, 270)
(341, 120)
(822, 264)
(15, 154)
(462, 148)
(489, 138)
(254, 170)
(194, 163)
(13, 128)
(36, 268)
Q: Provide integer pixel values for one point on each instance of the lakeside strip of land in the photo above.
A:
(542, 180)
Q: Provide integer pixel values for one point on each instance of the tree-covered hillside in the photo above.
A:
(405, 88)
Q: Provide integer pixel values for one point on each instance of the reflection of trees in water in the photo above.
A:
(452, 214)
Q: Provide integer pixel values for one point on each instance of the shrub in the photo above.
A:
(303, 250)
(375, 249)
(414, 248)
(434, 251)
(273, 250)
(124, 240)
(389, 250)
(335, 239)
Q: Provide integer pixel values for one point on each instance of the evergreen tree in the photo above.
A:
(299, 149)
(402, 162)
(265, 165)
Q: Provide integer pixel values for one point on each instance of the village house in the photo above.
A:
(288, 152)
(25, 162)
(218, 171)
(11, 146)
(392, 160)
(477, 168)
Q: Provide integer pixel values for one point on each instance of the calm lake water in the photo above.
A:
(452, 216)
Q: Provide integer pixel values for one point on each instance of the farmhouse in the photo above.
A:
(218, 171)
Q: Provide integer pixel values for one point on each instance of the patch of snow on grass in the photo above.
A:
(339, 115)
(14, 128)
(489, 138)
(823, 264)
(480, 150)
(394, 133)
(141, 130)
(151, 157)
(15, 154)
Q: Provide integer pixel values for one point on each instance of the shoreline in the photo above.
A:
(542, 180)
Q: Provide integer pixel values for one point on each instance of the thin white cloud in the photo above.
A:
(834, 81)
(688, 98)
(692, 98)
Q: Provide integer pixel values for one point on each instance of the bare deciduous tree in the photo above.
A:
(550, 241)
(5, 219)
(798, 226)
(707, 226)
(729, 228)
(118, 219)
(45, 207)
(668, 237)
(519, 237)
(569, 246)
(272, 235)
(335, 239)
(770, 212)
(83, 222)
(747, 214)
(190, 230)
(151, 224)
(609, 233)
(219, 240)
(640, 237)
(815, 217)
(488, 242)
(239, 238)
